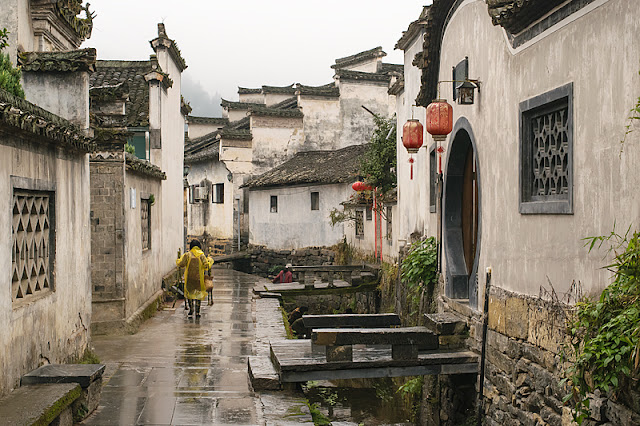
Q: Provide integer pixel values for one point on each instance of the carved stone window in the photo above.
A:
(546, 151)
(145, 223)
(32, 240)
(359, 223)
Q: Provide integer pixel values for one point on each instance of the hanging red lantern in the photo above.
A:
(361, 186)
(439, 118)
(412, 139)
(412, 135)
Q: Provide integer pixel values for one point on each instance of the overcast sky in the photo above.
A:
(250, 43)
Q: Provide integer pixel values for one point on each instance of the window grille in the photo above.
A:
(32, 238)
(359, 223)
(145, 222)
(274, 204)
(218, 193)
(315, 201)
(546, 153)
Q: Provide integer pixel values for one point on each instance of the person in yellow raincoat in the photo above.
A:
(195, 263)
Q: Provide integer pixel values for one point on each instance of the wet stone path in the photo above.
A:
(182, 371)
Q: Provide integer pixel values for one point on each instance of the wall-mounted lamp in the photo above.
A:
(185, 170)
(230, 177)
(466, 92)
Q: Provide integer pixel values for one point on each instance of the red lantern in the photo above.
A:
(412, 139)
(361, 186)
(412, 135)
(439, 118)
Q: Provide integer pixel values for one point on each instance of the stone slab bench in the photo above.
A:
(88, 376)
(404, 341)
(40, 404)
(350, 320)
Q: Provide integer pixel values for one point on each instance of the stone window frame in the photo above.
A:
(145, 210)
(217, 193)
(369, 212)
(36, 186)
(359, 223)
(553, 100)
(389, 220)
(273, 204)
(315, 200)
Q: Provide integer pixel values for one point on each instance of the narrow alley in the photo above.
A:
(183, 371)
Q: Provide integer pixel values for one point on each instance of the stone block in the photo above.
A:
(546, 328)
(40, 404)
(501, 361)
(400, 352)
(517, 317)
(497, 315)
(444, 324)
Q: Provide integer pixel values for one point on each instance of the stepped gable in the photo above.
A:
(247, 91)
(327, 90)
(67, 61)
(367, 55)
(208, 120)
(414, 29)
(165, 41)
(131, 73)
(238, 105)
(287, 90)
(313, 167)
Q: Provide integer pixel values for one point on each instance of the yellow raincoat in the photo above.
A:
(195, 263)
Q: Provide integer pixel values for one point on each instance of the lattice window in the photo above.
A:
(389, 223)
(32, 238)
(145, 222)
(546, 153)
(359, 223)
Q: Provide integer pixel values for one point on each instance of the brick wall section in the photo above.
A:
(107, 225)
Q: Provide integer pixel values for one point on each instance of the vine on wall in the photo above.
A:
(605, 333)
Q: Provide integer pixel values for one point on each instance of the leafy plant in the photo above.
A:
(605, 333)
(152, 199)
(419, 267)
(379, 162)
(9, 75)
(130, 148)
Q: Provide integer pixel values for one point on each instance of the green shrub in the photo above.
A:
(9, 75)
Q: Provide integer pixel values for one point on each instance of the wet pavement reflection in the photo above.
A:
(182, 371)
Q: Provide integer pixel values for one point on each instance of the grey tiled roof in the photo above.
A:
(391, 68)
(144, 167)
(192, 146)
(207, 152)
(329, 90)
(247, 91)
(236, 134)
(208, 120)
(112, 73)
(313, 167)
(287, 103)
(287, 90)
(276, 112)
(68, 61)
(362, 76)
(22, 116)
(376, 52)
(237, 105)
(243, 123)
(397, 87)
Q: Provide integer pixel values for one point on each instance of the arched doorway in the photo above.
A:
(461, 216)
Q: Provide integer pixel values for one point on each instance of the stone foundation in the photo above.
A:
(263, 259)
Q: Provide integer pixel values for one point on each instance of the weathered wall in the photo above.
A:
(144, 268)
(263, 258)
(275, 140)
(64, 94)
(107, 242)
(367, 243)
(322, 125)
(274, 98)
(172, 162)
(357, 123)
(52, 327)
(295, 225)
(413, 194)
(212, 218)
(200, 129)
(525, 251)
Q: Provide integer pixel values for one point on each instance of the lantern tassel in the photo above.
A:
(411, 162)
